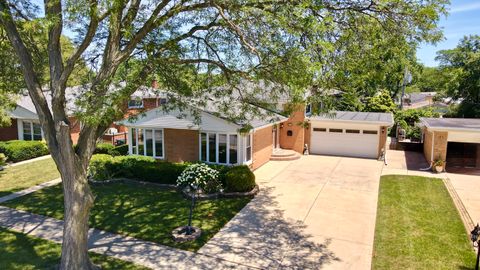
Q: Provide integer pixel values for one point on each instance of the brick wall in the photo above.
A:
(262, 146)
(440, 142)
(297, 138)
(9, 133)
(74, 129)
(181, 145)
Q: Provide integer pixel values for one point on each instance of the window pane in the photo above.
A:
(135, 103)
(149, 142)
(27, 131)
(37, 132)
(233, 149)
(158, 143)
(203, 149)
(336, 130)
(249, 148)
(212, 148)
(134, 141)
(222, 148)
(140, 141)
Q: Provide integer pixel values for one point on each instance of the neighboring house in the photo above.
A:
(26, 126)
(418, 100)
(454, 140)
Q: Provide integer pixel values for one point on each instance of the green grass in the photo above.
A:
(144, 212)
(20, 251)
(20, 177)
(418, 226)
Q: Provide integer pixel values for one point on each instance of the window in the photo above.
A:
(147, 142)
(222, 148)
(232, 149)
(218, 148)
(248, 148)
(336, 130)
(370, 132)
(320, 129)
(135, 103)
(163, 101)
(31, 131)
(212, 146)
(352, 131)
(308, 109)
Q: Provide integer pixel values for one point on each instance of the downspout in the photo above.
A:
(431, 154)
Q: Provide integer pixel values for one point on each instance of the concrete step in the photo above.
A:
(284, 155)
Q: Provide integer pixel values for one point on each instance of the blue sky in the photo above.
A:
(463, 19)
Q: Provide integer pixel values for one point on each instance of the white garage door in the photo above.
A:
(344, 142)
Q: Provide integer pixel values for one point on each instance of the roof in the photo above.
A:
(420, 96)
(359, 117)
(466, 124)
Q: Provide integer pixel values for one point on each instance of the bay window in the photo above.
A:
(147, 142)
(218, 148)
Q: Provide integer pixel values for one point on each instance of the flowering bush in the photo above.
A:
(200, 176)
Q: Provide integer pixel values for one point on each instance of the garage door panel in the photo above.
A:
(344, 144)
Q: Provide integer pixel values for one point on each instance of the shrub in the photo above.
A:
(239, 179)
(101, 167)
(22, 150)
(121, 150)
(3, 159)
(200, 176)
(103, 148)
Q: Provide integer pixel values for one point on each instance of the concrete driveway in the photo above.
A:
(467, 188)
(312, 213)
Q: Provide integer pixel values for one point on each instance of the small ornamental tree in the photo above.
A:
(200, 177)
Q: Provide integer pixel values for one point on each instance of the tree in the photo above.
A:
(349, 101)
(462, 66)
(381, 102)
(189, 46)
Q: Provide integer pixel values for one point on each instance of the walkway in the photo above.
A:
(29, 161)
(314, 213)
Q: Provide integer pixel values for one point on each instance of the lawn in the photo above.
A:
(418, 226)
(144, 212)
(20, 177)
(20, 251)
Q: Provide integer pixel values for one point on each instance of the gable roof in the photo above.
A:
(362, 117)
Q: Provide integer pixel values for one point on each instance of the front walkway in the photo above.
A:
(312, 213)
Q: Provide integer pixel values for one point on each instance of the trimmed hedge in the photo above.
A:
(109, 149)
(105, 167)
(18, 150)
(239, 179)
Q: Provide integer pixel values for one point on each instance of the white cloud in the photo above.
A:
(465, 7)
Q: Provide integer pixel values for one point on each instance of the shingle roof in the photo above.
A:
(367, 117)
(452, 123)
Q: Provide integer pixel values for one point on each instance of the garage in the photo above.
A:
(351, 134)
(454, 140)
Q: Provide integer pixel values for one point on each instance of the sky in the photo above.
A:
(463, 19)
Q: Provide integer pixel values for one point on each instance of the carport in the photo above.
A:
(351, 134)
(455, 140)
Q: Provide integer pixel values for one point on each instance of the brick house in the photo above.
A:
(26, 126)
(454, 140)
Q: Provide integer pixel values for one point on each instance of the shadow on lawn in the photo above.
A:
(258, 236)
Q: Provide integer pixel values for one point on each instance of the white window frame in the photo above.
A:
(154, 130)
(30, 127)
(248, 162)
(207, 156)
(135, 106)
(308, 109)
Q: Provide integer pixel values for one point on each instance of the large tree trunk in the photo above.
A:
(78, 200)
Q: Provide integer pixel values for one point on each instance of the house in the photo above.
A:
(454, 140)
(214, 138)
(418, 100)
(26, 126)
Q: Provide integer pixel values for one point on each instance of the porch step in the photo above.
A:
(284, 155)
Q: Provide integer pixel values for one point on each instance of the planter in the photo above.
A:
(439, 169)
